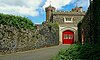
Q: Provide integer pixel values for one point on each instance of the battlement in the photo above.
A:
(69, 12)
(61, 11)
(76, 11)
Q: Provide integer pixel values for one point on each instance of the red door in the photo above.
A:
(68, 37)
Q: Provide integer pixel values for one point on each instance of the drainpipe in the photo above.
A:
(82, 36)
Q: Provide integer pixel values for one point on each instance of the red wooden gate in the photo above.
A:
(68, 37)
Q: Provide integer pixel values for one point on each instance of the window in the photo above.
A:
(68, 19)
(68, 36)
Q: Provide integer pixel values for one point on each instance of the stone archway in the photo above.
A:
(70, 29)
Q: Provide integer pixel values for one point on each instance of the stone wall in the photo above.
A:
(75, 19)
(13, 39)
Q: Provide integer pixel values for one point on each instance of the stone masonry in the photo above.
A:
(13, 39)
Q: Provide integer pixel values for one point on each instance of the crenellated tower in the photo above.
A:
(49, 11)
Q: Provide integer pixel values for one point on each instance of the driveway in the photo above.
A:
(38, 54)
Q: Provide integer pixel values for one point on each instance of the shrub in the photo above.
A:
(16, 21)
(77, 51)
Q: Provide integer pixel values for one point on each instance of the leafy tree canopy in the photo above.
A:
(16, 21)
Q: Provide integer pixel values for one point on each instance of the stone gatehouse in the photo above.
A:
(67, 21)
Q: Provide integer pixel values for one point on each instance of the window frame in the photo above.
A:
(71, 21)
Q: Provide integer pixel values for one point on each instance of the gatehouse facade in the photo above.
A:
(68, 21)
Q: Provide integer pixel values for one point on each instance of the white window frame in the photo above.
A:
(68, 21)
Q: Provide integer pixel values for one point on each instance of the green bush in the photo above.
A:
(77, 51)
(79, 31)
(17, 21)
(54, 25)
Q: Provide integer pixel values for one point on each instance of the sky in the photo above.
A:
(35, 9)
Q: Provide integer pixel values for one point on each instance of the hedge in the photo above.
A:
(16, 21)
(81, 52)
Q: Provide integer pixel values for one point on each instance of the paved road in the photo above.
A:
(38, 54)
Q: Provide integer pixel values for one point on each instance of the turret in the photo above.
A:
(49, 11)
(77, 9)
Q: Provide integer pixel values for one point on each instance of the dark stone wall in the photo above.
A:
(13, 39)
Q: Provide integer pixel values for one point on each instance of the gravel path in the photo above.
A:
(38, 54)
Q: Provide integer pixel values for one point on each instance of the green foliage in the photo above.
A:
(79, 31)
(54, 25)
(17, 21)
(75, 51)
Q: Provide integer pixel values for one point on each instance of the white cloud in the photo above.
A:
(83, 3)
(30, 7)
(20, 7)
(57, 3)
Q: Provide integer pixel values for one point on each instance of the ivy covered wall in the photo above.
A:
(96, 18)
(90, 25)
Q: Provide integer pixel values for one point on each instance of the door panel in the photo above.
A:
(68, 37)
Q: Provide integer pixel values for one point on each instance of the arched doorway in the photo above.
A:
(68, 37)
